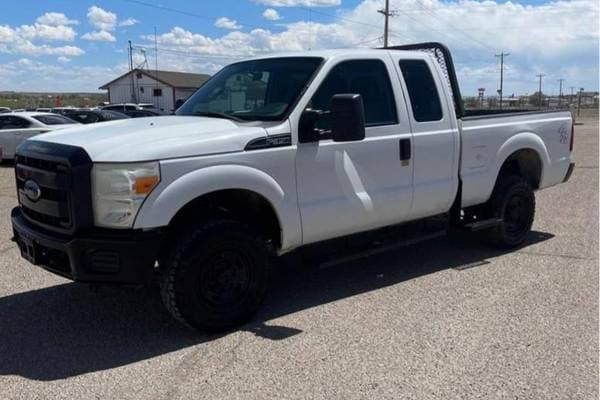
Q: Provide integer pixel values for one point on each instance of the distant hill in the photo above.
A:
(35, 100)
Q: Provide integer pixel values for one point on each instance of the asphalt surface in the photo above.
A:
(448, 319)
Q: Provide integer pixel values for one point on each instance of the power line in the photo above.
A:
(183, 12)
(430, 11)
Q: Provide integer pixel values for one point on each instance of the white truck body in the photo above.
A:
(293, 151)
(325, 189)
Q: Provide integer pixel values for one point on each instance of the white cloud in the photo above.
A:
(101, 19)
(20, 41)
(550, 37)
(295, 3)
(227, 23)
(45, 77)
(24, 62)
(271, 14)
(63, 59)
(129, 22)
(99, 36)
(55, 19)
(47, 32)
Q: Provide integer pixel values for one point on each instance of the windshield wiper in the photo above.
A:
(216, 114)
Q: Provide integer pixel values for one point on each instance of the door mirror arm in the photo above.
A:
(307, 130)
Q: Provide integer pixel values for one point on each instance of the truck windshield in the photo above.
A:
(262, 90)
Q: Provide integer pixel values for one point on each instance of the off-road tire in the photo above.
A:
(513, 201)
(216, 260)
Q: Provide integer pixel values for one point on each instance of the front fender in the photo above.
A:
(169, 197)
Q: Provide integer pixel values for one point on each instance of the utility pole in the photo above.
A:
(131, 72)
(579, 102)
(560, 81)
(540, 90)
(386, 13)
(501, 55)
(572, 94)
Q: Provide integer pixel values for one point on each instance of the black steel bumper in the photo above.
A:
(109, 256)
(569, 172)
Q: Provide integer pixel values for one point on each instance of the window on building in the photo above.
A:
(157, 92)
(422, 90)
(138, 75)
(142, 89)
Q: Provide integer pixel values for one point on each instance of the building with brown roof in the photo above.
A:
(162, 88)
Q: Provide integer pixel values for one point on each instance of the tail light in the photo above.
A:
(572, 136)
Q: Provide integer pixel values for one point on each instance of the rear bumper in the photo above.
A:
(126, 257)
(569, 172)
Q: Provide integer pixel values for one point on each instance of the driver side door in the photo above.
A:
(348, 187)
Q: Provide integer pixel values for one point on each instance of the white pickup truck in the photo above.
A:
(281, 153)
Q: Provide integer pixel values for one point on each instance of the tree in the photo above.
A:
(534, 99)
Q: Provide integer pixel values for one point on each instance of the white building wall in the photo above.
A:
(120, 92)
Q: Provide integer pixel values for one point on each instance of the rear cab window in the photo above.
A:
(422, 91)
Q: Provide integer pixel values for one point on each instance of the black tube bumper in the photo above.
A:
(110, 256)
(569, 172)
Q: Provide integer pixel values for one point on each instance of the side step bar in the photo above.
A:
(360, 245)
(483, 224)
(379, 249)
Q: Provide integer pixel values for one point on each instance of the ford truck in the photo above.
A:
(276, 154)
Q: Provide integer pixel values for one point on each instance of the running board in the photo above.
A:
(483, 224)
(380, 249)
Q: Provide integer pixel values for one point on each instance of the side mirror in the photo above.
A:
(348, 117)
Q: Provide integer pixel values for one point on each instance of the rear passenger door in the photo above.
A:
(435, 135)
(348, 187)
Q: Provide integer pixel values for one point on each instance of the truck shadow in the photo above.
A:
(68, 330)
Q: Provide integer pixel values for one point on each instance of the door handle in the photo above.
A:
(405, 151)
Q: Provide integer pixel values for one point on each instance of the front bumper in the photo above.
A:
(109, 256)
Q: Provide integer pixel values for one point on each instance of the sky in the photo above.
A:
(78, 45)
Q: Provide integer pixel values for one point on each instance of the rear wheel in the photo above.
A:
(513, 201)
(215, 277)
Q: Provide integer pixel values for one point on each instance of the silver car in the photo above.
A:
(18, 126)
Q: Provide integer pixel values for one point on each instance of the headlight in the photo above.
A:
(118, 191)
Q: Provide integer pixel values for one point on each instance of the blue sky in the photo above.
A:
(58, 45)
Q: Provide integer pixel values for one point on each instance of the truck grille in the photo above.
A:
(53, 205)
(53, 185)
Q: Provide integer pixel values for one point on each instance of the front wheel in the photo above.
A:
(513, 201)
(216, 276)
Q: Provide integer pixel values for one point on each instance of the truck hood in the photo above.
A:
(156, 138)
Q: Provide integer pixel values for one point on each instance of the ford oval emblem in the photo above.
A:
(32, 190)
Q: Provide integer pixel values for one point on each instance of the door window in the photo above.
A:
(422, 90)
(370, 79)
(13, 122)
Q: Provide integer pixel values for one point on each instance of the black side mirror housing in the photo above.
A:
(348, 114)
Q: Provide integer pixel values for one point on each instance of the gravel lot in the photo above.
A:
(442, 320)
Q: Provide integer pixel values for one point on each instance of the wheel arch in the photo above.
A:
(524, 154)
(238, 187)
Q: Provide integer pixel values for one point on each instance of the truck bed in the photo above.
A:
(487, 140)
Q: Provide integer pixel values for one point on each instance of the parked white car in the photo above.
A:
(16, 127)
